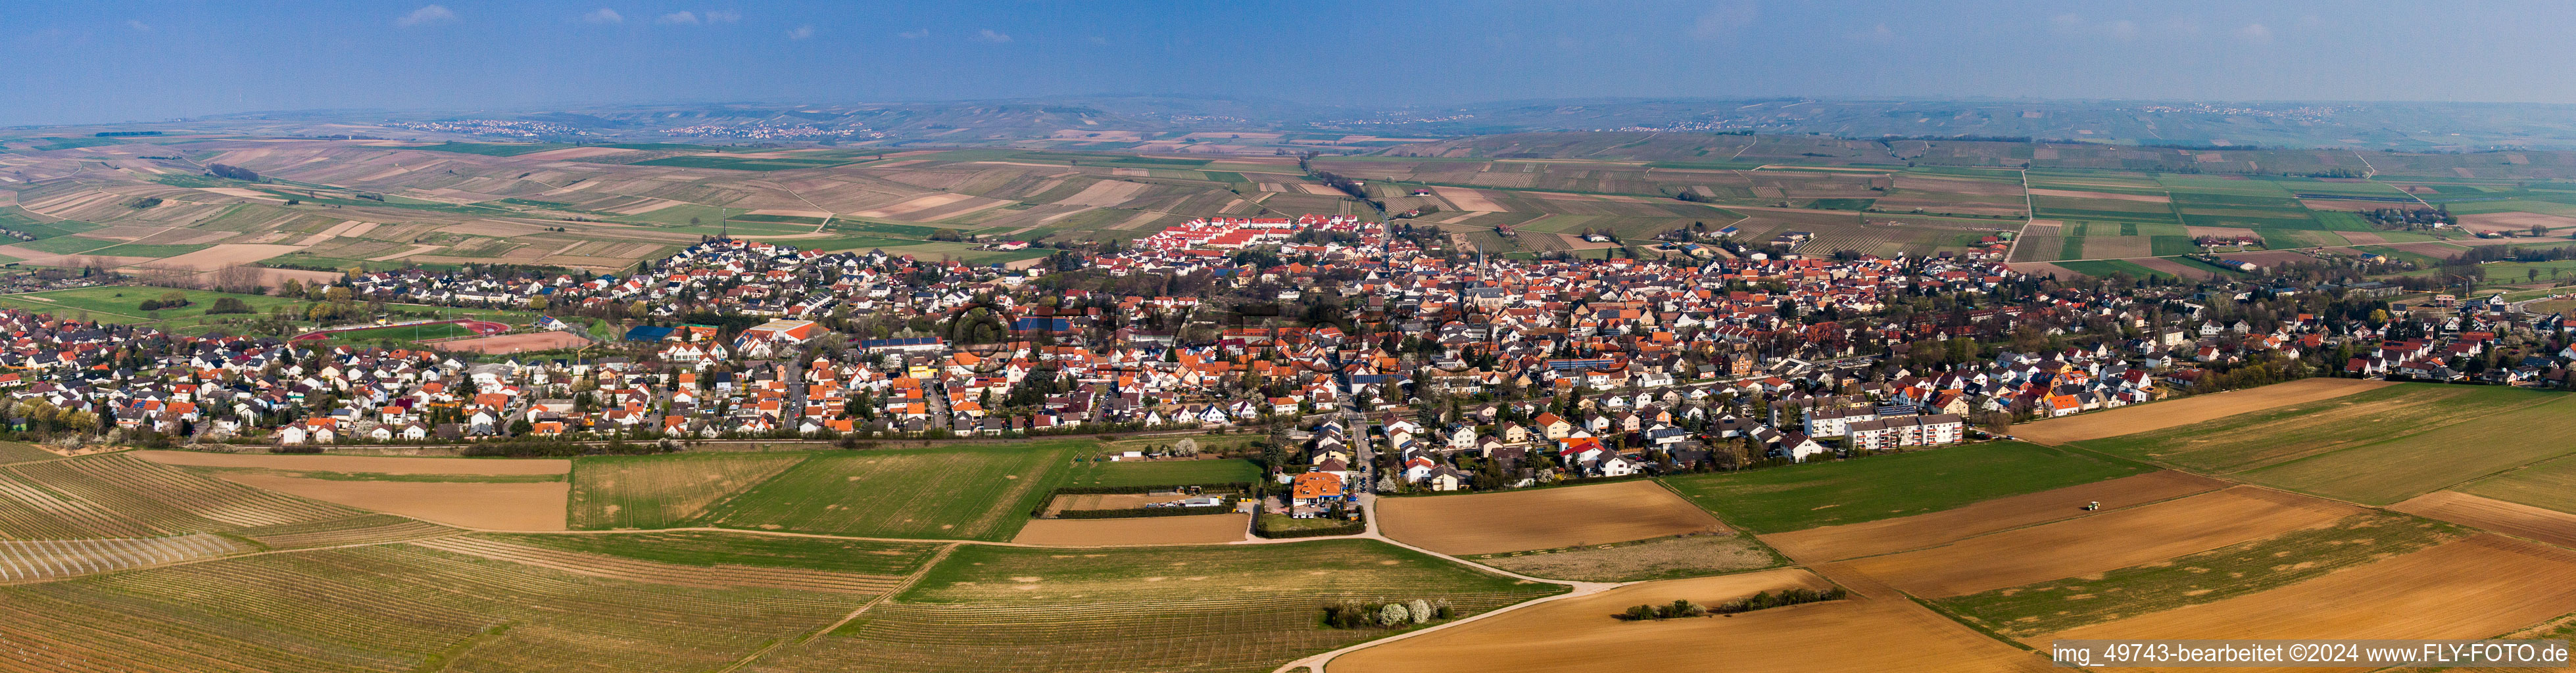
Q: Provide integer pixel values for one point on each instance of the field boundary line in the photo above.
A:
(712, 506)
(899, 587)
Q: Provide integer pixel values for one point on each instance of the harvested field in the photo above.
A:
(1200, 529)
(2473, 588)
(2138, 418)
(1579, 635)
(2101, 195)
(511, 343)
(360, 464)
(1105, 193)
(1465, 199)
(1657, 559)
(2514, 221)
(493, 506)
(2144, 534)
(1886, 536)
(2519, 520)
(1575, 516)
(2046, 269)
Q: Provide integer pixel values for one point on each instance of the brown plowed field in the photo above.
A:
(362, 464)
(2139, 418)
(502, 506)
(1547, 518)
(511, 343)
(2473, 588)
(1199, 529)
(1887, 536)
(1579, 635)
(2516, 519)
(2107, 541)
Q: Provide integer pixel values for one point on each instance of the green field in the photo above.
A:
(718, 548)
(122, 304)
(2398, 468)
(2234, 570)
(1225, 608)
(1660, 558)
(973, 493)
(1824, 494)
(18, 452)
(2104, 268)
(663, 491)
(404, 333)
(2550, 485)
(1162, 472)
(2270, 437)
(400, 608)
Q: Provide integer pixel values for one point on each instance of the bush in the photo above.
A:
(1352, 614)
(229, 305)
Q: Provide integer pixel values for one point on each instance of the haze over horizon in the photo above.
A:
(81, 63)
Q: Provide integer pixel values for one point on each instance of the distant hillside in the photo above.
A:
(1695, 150)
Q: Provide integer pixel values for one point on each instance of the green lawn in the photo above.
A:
(712, 548)
(1162, 473)
(1824, 494)
(972, 493)
(1218, 608)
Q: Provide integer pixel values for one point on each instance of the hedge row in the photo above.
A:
(1139, 512)
(1049, 501)
(1353, 529)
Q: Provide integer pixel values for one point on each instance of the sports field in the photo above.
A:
(972, 493)
(1214, 608)
(1825, 494)
(1161, 472)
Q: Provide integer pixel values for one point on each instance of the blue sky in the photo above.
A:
(101, 61)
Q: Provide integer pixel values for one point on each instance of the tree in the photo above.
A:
(1393, 614)
(521, 427)
(229, 305)
(1421, 610)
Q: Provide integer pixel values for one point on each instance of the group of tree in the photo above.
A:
(1352, 614)
(232, 172)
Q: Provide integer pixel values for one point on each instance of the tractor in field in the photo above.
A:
(2094, 505)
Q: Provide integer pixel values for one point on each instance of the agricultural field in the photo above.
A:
(398, 608)
(118, 496)
(2248, 567)
(2149, 533)
(1824, 494)
(1213, 608)
(1644, 560)
(1884, 536)
(611, 492)
(1161, 472)
(2548, 485)
(2376, 446)
(724, 548)
(122, 305)
(1465, 524)
(973, 493)
(1579, 634)
(2197, 408)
